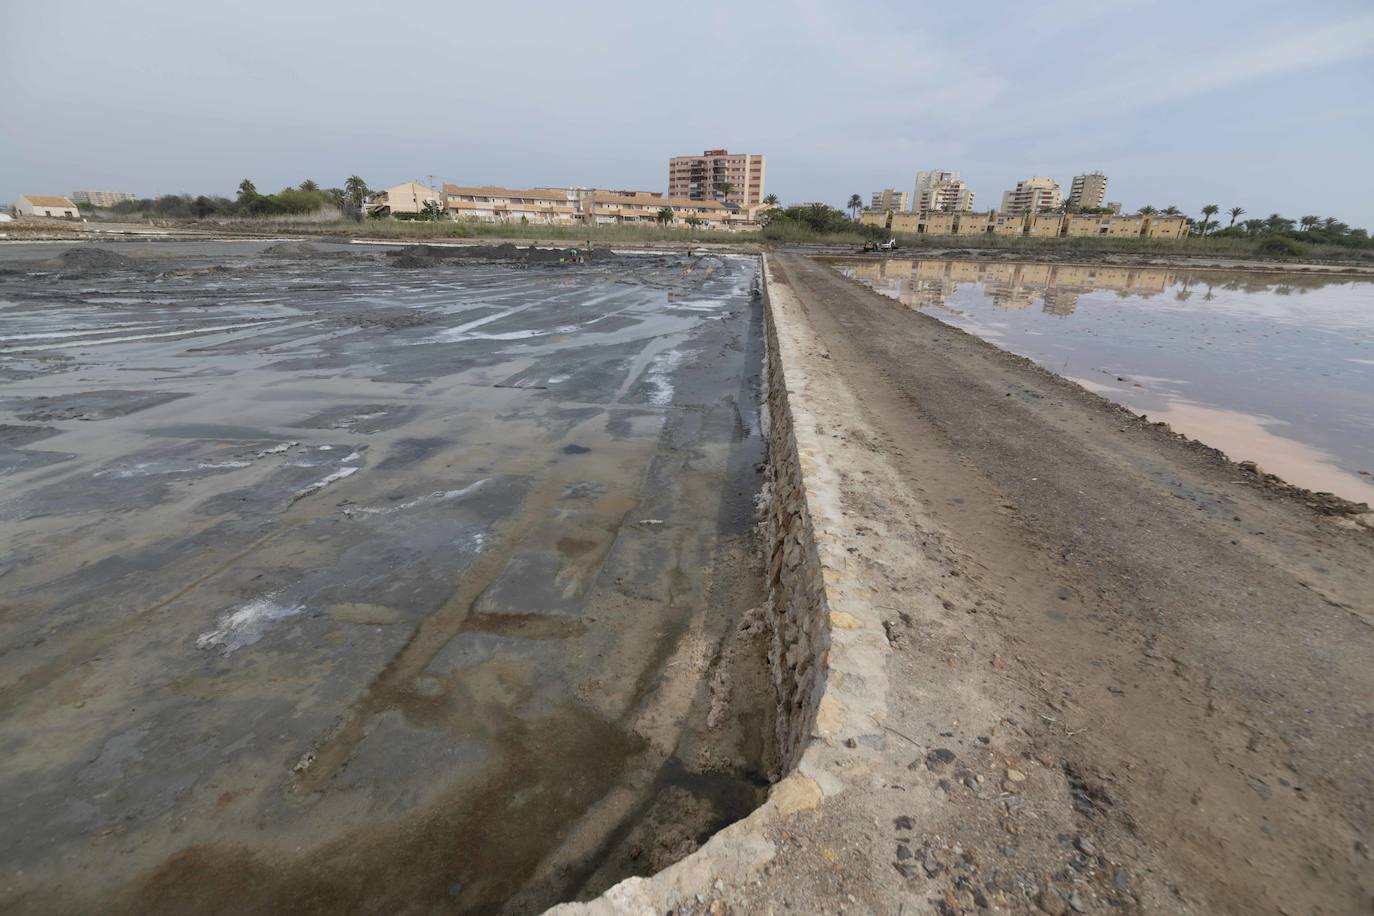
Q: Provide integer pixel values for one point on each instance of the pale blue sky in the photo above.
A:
(1262, 103)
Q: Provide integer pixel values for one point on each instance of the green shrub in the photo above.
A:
(1277, 246)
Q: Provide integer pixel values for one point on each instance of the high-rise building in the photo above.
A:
(939, 189)
(1088, 191)
(717, 174)
(1032, 195)
(890, 199)
(101, 198)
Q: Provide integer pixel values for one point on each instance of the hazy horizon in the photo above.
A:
(1262, 105)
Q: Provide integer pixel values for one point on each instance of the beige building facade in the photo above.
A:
(46, 205)
(1088, 191)
(717, 174)
(589, 206)
(410, 197)
(100, 198)
(1166, 227)
(1036, 225)
(941, 189)
(1044, 225)
(491, 204)
(890, 199)
(1033, 194)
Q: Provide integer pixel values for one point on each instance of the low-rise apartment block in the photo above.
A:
(1054, 224)
(491, 204)
(1044, 225)
(1166, 227)
(1107, 225)
(101, 199)
(717, 174)
(588, 206)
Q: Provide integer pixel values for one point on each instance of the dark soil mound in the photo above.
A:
(291, 250)
(92, 259)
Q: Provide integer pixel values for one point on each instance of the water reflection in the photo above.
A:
(1056, 288)
(1272, 367)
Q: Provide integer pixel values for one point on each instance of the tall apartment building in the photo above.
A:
(706, 177)
(938, 189)
(100, 198)
(890, 199)
(1088, 191)
(1032, 195)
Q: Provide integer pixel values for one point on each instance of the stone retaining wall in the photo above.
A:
(829, 649)
(796, 589)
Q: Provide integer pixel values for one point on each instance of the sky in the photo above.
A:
(1264, 104)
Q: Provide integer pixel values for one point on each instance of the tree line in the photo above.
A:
(1311, 228)
(307, 197)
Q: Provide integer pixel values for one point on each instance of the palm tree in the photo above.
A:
(1147, 210)
(664, 216)
(1253, 226)
(1308, 223)
(771, 200)
(856, 203)
(247, 188)
(309, 185)
(723, 189)
(1172, 211)
(356, 189)
(1235, 212)
(1208, 212)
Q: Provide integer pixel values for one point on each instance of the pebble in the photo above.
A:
(1050, 902)
(1085, 846)
(1077, 904)
(1016, 776)
(903, 822)
(938, 759)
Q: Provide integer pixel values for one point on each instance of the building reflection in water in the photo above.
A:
(1056, 287)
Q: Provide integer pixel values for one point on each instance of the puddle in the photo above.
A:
(1273, 368)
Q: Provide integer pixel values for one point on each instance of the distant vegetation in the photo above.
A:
(305, 199)
(1311, 230)
(815, 223)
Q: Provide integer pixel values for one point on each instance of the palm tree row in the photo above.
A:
(1274, 223)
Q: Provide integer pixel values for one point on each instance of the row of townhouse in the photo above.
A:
(562, 206)
(1036, 225)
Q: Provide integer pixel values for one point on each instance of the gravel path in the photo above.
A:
(1153, 675)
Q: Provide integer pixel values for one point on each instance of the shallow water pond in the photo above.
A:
(1276, 368)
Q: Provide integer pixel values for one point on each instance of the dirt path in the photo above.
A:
(1201, 644)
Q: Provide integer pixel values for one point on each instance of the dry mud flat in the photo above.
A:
(1122, 674)
(330, 586)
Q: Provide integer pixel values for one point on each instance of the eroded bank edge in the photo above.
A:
(828, 649)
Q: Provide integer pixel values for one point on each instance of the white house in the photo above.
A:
(410, 197)
(43, 205)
